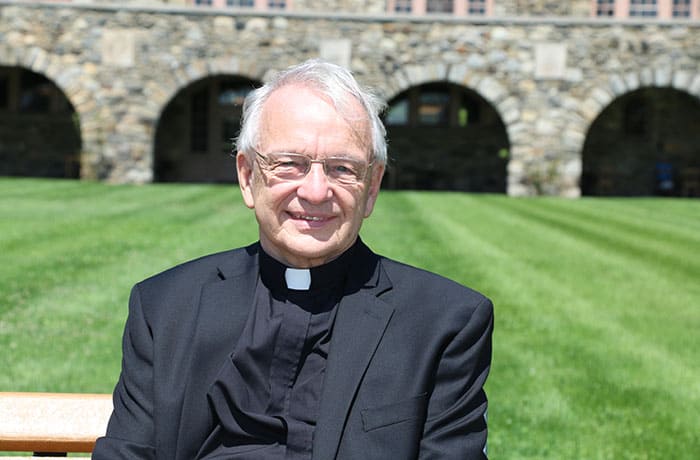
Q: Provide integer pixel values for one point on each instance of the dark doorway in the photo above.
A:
(445, 137)
(39, 129)
(194, 138)
(644, 143)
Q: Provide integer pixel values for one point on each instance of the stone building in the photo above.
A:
(521, 97)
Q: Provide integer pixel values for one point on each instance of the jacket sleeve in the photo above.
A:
(456, 424)
(130, 429)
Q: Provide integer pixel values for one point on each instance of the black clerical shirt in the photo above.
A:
(267, 397)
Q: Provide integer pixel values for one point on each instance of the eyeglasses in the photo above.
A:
(295, 166)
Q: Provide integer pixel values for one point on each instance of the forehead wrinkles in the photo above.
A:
(345, 105)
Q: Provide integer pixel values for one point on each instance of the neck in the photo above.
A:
(302, 261)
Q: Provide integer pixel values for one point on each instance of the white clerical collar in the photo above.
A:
(298, 279)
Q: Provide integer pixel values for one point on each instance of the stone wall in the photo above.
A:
(502, 8)
(548, 80)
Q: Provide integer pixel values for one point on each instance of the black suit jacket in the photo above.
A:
(409, 355)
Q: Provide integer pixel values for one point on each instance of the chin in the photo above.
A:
(316, 251)
(313, 251)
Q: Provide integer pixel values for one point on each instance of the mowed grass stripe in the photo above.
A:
(633, 291)
(634, 350)
(644, 239)
(595, 347)
(671, 215)
(91, 231)
(616, 256)
(77, 267)
(518, 364)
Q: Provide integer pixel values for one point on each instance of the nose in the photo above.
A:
(314, 187)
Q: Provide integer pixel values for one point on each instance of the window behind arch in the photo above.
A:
(443, 136)
(4, 91)
(39, 129)
(436, 104)
(196, 130)
(27, 92)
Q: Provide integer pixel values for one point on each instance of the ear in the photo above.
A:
(374, 186)
(245, 178)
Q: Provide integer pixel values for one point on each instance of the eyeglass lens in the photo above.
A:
(293, 166)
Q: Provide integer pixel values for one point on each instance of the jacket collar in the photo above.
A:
(360, 323)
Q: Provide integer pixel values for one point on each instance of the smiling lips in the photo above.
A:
(309, 218)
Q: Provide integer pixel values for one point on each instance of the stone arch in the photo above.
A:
(181, 76)
(77, 82)
(608, 89)
(488, 87)
(601, 95)
(484, 168)
(639, 173)
(178, 164)
(37, 61)
(561, 173)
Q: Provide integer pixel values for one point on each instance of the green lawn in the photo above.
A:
(597, 340)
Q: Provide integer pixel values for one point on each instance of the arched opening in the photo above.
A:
(445, 137)
(39, 129)
(193, 141)
(644, 143)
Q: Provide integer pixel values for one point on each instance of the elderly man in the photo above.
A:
(306, 344)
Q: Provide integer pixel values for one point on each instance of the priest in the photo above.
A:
(305, 345)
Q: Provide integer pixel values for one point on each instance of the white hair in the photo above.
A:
(330, 80)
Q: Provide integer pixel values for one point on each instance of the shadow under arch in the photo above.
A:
(644, 142)
(195, 131)
(444, 136)
(39, 127)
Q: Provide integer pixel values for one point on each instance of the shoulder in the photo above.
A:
(423, 289)
(201, 270)
(417, 279)
(173, 294)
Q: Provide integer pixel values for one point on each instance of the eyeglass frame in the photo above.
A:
(322, 161)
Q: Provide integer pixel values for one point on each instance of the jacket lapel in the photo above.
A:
(359, 326)
(224, 307)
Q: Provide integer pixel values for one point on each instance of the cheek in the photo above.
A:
(357, 209)
(272, 201)
(273, 195)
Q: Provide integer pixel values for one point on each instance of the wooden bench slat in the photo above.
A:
(52, 422)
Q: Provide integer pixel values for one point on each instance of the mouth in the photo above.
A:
(309, 220)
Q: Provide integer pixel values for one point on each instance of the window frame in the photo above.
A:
(55, 98)
(206, 114)
(420, 8)
(457, 99)
(258, 5)
(664, 10)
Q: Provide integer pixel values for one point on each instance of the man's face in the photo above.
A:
(310, 221)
